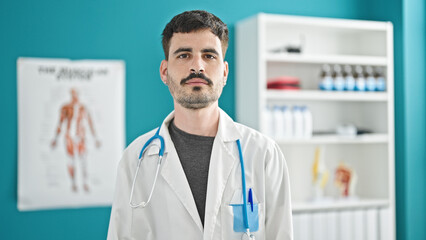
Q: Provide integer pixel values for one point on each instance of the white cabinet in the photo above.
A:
(325, 41)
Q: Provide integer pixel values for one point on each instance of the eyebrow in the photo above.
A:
(210, 50)
(182, 50)
(185, 49)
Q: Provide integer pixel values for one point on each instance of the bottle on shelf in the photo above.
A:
(380, 79)
(278, 122)
(297, 122)
(360, 79)
(284, 122)
(288, 122)
(371, 80)
(339, 81)
(269, 120)
(307, 122)
(326, 78)
(349, 78)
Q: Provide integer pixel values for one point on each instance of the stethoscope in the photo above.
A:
(246, 235)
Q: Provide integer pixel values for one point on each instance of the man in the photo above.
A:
(198, 193)
(74, 114)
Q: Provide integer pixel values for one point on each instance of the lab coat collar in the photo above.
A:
(172, 172)
(227, 130)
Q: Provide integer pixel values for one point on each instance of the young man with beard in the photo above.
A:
(199, 191)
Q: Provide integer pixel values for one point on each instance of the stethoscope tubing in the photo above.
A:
(243, 180)
(156, 136)
(160, 157)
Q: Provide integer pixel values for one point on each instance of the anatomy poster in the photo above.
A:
(70, 132)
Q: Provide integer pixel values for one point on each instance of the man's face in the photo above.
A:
(195, 71)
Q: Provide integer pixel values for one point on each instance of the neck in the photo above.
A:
(202, 122)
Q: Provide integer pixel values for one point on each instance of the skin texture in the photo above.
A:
(195, 73)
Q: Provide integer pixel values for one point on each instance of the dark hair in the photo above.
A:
(191, 21)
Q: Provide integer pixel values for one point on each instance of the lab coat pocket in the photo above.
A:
(233, 223)
(253, 217)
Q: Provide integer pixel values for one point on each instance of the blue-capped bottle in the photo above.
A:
(326, 78)
(349, 78)
(360, 79)
(371, 80)
(339, 81)
(380, 79)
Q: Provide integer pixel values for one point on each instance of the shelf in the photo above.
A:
(324, 41)
(325, 95)
(339, 205)
(315, 22)
(335, 139)
(326, 59)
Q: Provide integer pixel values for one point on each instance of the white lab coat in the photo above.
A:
(172, 213)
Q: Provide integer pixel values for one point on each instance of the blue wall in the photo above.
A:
(415, 112)
(130, 30)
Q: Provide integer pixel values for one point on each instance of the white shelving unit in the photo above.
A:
(334, 139)
(335, 59)
(340, 205)
(314, 95)
(326, 41)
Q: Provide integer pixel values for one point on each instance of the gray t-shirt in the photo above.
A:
(194, 152)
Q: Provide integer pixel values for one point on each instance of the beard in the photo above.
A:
(196, 97)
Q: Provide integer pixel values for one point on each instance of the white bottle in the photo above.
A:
(297, 122)
(349, 79)
(326, 78)
(380, 80)
(371, 80)
(278, 122)
(307, 122)
(339, 81)
(360, 79)
(269, 121)
(288, 122)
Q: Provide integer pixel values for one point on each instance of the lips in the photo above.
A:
(196, 81)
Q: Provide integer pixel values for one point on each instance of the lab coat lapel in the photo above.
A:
(174, 175)
(223, 159)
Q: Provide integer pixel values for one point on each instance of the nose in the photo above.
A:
(197, 65)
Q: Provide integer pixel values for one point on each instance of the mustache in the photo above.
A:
(196, 75)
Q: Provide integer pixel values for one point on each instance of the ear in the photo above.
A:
(225, 73)
(163, 71)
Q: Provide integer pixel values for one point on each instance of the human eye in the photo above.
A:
(210, 56)
(182, 56)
